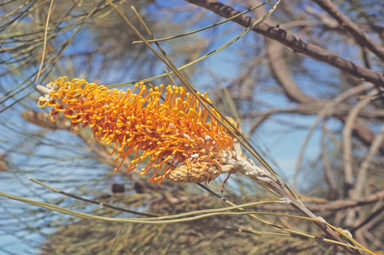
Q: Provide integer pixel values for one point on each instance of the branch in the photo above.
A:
(239, 163)
(362, 174)
(332, 206)
(369, 219)
(293, 42)
(362, 38)
(347, 145)
(315, 108)
(281, 71)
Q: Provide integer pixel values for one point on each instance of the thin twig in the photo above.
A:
(368, 219)
(89, 200)
(333, 206)
(204, 28)
(362, 174)
(114, 241)
(347, 145)
(329, 177)
(45, 40)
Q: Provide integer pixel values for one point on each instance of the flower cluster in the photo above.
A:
(170, 135)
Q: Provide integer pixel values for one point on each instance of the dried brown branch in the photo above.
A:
(347, 144)
(293, 42)
(333, 206)
(370, 217)
(354, 218)
(361, 37)
(315, 108)
(361, 178)
(282, 73)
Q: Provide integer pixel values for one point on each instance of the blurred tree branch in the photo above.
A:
(361, 37)
(294, 43)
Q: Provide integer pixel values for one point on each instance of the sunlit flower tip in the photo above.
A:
(174, 136)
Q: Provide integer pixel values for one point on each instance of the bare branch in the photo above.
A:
(361, 37)
(333, 206)
(362, 174)
(347, 145)
(282, 72)
(369, 218)
(294, 43)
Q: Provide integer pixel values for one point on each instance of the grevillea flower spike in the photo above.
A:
(173, 135)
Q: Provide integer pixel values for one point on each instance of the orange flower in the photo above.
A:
(173, 134)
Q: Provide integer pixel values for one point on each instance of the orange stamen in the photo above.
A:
(171, 132)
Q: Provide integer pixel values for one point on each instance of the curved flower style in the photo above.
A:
(172, 133)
